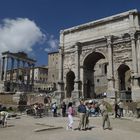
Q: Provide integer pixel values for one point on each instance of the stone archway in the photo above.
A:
(91, 82)
(124, 76)
(69, 83)
(83, 47)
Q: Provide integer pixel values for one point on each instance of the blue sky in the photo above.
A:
(34, 25)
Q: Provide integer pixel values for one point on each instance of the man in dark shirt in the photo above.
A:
(82, 115)
(63, 107)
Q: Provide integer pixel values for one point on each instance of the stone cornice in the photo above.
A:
(18, 57)
(100, 21)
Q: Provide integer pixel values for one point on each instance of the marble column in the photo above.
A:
(138, 53)
(77, 67)
(33, 74)
(134, 54)
(12, 67)
(110, 76)
(5, 68)
(76, 93)
(134, 60)
(28, 77)
(2, 68)
(60, 82)
(18, 64)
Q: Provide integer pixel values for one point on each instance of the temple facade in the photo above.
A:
(15, 72)
(101, 56)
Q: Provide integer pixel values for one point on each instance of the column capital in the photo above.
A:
(61, 50)
(132, 35)
(78, 45)
(138, 35)
(109, 39)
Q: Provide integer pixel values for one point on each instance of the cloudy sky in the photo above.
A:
(33, 26)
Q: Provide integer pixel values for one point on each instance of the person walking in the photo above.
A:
(70, 116)
(121, 108)
(63, 107)
(3, 118)
(117, 114)
(82, 115)
(54, 110)
(87, 104)
(105, 116)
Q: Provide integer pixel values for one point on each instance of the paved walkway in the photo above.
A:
(24, 129)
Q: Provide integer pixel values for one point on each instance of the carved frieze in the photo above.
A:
(69, 61)
(122, 52)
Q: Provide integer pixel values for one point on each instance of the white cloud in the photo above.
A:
(19, 34)
(52, 44)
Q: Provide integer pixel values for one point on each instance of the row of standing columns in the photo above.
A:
(5, 68)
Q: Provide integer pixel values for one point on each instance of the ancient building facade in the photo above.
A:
(15, 71)
(53, 59)
(101, 56)
(40, 78)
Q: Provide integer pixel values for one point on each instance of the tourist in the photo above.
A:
(54, 110)
(117, 114)
(88, 107)
(63, 107)
(70, 116)
(121, 108)
(3, 118)
(82, 115)
(105, 116)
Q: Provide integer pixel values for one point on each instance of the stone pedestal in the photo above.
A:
(136, 94)
(112, 93)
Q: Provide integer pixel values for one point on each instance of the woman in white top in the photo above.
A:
(70, 116)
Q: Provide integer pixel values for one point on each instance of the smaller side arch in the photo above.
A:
(70, 77)
(124, 76)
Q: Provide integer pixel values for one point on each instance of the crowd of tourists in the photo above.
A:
(84, 110)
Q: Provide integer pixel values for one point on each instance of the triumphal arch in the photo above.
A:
(102, 56)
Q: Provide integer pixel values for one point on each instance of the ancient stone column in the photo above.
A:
(134, 54)
(60, 82)
(18, 63)
(2, 68)
(11, 70)
(33, 74)
(28, 77)
(138, 53)
(110, 76)
(5, 68)
(76, 93)
(134, 60)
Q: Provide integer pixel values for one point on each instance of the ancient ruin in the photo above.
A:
(101, 56)
(16, 69)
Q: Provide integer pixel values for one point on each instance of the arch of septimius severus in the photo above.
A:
(101, 56)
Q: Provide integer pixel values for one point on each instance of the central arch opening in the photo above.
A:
(95, 75)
